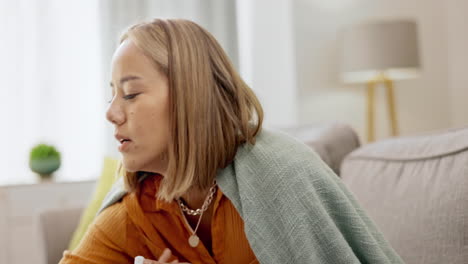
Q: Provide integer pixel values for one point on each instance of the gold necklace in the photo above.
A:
(194, 240)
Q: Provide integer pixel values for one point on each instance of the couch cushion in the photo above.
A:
(332, 141)
(104, 184)
(416, 190)
(56, 227)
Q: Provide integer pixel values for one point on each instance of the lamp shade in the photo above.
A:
(386, 47)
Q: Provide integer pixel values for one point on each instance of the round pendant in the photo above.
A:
(193, 241)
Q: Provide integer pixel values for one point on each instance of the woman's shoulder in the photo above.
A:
(112, 222)
(274, 155)
(113, 213)
(273, 145)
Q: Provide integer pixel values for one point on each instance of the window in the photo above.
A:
(51, 89)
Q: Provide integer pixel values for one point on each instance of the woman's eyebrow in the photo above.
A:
(126, 79)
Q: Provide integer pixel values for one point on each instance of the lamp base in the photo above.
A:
(389, 87)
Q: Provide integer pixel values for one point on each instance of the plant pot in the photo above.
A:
(44, 167)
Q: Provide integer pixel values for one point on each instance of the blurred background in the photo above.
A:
(55, 58)
(55, 71)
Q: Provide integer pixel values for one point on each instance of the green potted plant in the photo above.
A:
(44, 160)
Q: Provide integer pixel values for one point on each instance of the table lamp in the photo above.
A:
(380, 53)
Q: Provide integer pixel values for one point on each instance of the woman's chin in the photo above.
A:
(130, 165)
(134, 164)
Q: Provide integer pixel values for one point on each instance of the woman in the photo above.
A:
(204, 183)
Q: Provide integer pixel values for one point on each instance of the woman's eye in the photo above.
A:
(130, 96)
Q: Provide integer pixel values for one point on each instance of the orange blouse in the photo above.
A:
(140, 225)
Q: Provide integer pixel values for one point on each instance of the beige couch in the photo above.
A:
(57, 227)
(415, 189)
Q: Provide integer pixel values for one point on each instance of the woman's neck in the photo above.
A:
(194, 199)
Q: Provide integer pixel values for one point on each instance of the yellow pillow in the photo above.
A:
(108, 177)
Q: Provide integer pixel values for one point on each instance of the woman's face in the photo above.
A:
(139, 110)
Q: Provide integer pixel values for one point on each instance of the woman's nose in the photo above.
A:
(115, 115)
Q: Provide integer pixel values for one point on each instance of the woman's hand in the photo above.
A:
(166, 255)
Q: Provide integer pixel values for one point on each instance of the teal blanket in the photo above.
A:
(295, 209)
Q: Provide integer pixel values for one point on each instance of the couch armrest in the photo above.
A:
(56, 227)
(332, 141)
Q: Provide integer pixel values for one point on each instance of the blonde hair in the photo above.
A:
(212, 110)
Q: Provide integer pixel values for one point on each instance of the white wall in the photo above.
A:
(457, 24)
(267, 57)
(433, 101)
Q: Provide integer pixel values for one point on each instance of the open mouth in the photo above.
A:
(124, 145)
(124, 142)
